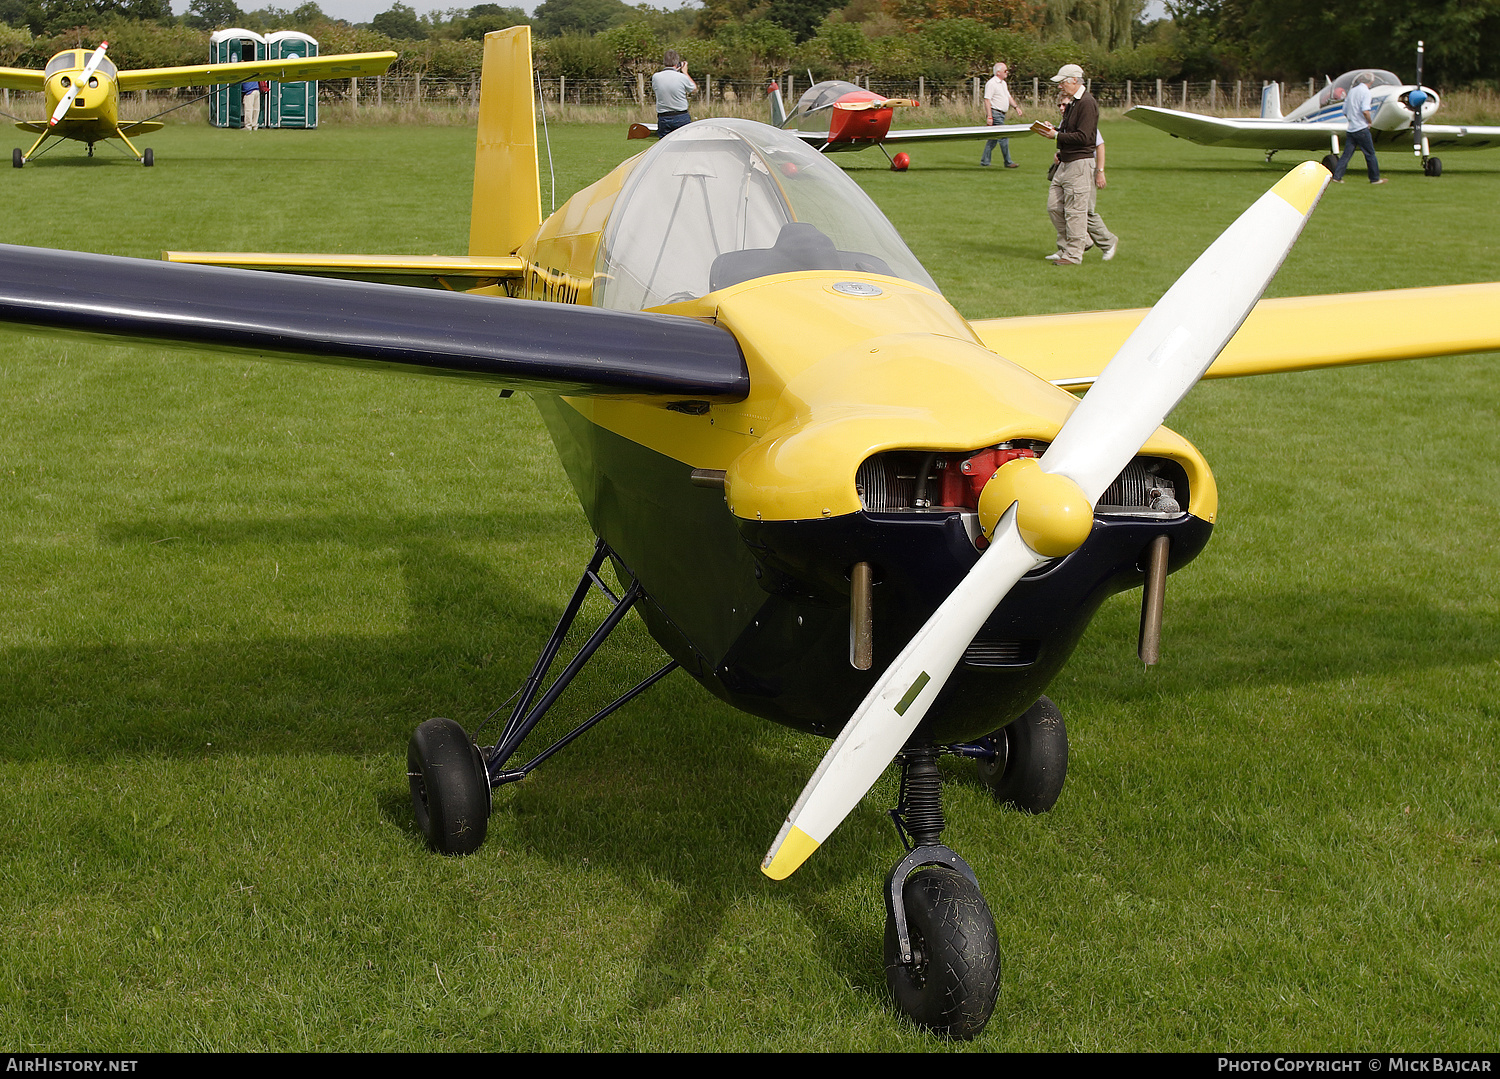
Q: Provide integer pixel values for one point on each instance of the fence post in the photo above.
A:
(921, 89)
(1312, 86)
(1213, 93)
(354, 94)
(976, 91)
(1127, 93)
(1036, 92)
(1237, 85)
(1158, 93)
(640, 89)
(1184, 95)
(416, 90)
(379, 85)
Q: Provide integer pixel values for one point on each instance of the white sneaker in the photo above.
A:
(1053, 257)
(1109, 252)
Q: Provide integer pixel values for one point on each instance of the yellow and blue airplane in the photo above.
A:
(834, 502)
(83, 87)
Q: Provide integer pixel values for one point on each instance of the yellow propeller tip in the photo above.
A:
(784, 859)
(1302, 186)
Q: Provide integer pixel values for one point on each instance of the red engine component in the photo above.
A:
(963, 481)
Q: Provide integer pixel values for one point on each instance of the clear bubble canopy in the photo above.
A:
(723, 201)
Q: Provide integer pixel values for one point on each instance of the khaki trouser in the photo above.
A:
(1069, 200)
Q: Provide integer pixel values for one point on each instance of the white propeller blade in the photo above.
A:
(67, 102)
(1166, 355)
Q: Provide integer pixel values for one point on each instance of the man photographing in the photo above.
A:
(671, 85)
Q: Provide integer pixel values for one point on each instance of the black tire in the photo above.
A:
(954, 977)
(450, 793)
(148, 158)
(1029, 771)
(1433, 166)
(17, 158)
(1329, 161)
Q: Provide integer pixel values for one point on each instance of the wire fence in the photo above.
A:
(434, 96)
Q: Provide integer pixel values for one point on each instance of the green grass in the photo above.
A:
(229, 590)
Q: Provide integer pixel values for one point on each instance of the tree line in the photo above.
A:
(941, 40)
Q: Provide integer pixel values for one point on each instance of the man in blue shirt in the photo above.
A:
(1357, 112)
(250, 104)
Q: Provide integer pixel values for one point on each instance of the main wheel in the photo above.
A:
(148, 158)
(1329, 161)
(1433, 166)
(1031, 761)
(17, 158)
(450, 791)
(953, 979)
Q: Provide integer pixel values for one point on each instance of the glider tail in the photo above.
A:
(1270, 101)
(507, 207)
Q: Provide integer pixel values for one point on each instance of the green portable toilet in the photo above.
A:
(292, 104)
(232, 46)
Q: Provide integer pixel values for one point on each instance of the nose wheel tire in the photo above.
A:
(1031, 759)
(450, 790)
(953, 979)
(1433, 166)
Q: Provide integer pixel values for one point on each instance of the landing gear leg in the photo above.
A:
(942, 954)
(451, 778)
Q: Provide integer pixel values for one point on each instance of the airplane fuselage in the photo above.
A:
(1389, 108)
(874, 418)
(94, 113)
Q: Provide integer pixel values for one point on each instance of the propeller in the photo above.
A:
(78, 84)
(1035, 509)
(1415, 99)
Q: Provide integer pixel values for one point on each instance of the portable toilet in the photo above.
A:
(231, 47)
(292, 104)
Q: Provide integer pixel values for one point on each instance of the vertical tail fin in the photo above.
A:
(778, 107)
(1270, 102)
(507, 206)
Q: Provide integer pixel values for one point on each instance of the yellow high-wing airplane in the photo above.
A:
(831, 499)
(83, 91)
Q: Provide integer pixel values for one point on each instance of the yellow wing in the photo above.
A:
(22, 78)
(343, 66)
(1299, 333)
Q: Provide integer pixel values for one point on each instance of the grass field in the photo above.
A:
(229, 590)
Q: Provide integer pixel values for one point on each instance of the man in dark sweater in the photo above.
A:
(1069, 197)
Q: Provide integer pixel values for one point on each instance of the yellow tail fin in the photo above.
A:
(507, 206)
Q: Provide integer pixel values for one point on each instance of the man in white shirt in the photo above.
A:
(671, 85)
(997, 102)
(1357, 112)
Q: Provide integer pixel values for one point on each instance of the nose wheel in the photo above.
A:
(949, 977)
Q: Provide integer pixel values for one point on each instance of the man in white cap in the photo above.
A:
(1070, 198)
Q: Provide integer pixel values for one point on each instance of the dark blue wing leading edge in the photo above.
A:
(523, 344)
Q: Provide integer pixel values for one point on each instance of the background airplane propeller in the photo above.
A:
(1036, 509)
(1415, 100)
(79, 83)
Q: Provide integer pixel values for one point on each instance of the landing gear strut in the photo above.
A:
(942, 954)
(451, 778)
